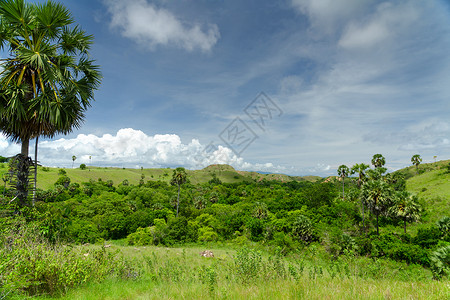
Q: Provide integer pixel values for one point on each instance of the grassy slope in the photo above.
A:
(433, 187)
(225, 173)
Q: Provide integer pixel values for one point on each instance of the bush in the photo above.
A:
(391, 246)
(31, 266)
(303, 230)
(207, 234)
(83, 167)
(427, 237)
(444, 227)
(247, 264)
(440, 262)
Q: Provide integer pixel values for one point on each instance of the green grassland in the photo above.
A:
(227, 174)
(432, 185)
(181, 273)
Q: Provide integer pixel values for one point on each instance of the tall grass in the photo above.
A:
(174, 273)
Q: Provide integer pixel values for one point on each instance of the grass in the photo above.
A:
(227, 174)
(433, 187)
(179, 273)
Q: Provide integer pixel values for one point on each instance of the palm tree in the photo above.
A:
(360, 169)
(377, 196)
(73, 160)
(179, 177)
(47, 81)
(343, 172)
(406, 206)
(416, 160)
(378, 161)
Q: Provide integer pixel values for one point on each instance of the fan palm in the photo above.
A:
(360, 169)
(179, 177)
(376, 194)
(416, 160)
(378, 161)
(343, 172)
(47, 81)
(406, 206)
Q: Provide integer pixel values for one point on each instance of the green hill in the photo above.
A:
(227, 174)
(432, 185)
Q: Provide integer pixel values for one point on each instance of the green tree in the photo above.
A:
(179, 177)
(343, 171)
(378, 161)
(73, 160)
(48, 80)
(406, 207)
(376, 194)
(416, 160)
(361, 170)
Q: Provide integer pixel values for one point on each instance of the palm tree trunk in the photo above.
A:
(343, 196)
(178, 199)
(378, 232)
(35, 170)
(362, 208)
(25, 146)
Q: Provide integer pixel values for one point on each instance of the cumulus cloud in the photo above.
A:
(133, 148)
(151, 26)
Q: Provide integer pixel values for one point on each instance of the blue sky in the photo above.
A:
(341, 81)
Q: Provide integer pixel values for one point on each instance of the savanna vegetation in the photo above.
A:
(291, 234)
(364, 234)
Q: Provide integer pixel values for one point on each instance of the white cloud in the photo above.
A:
(133, 148)
(152, 26)
(385, 25)
(326, 16)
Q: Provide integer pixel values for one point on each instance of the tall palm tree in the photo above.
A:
(179, 177)
(361, 170)
(47, 81)
(377, 195)
(416, 160)
(343, 171)
(73, 160)
(378, 161)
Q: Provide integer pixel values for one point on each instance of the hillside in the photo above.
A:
(432, 185)
(227, 174)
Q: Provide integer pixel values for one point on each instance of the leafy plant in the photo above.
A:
(440, 262)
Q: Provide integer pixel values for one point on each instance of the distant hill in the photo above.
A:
(227, 174)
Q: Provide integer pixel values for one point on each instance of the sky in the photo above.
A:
(285, 86)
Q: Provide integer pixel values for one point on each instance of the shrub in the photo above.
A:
(444, 227)
(256, 228)
(303, 230)
(440, 262)
(391, 246)
(207, 234)
(247, 264)
(427, 237)
(142, 236)
(31, 266)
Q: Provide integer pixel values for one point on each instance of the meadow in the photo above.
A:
(106, 233)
